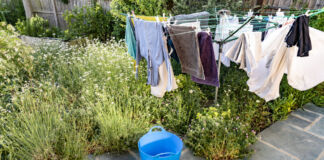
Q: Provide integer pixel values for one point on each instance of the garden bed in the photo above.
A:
(61, 101)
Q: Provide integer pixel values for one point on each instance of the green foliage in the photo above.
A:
(85, 99)
(318, 21)
(219, 134)
(225, 130)
(11, 11)
(191, 6)
(65, 1)
(141, 7)
(92, 22)
(37, 27)
(15, 63)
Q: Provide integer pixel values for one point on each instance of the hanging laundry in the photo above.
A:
(151, 18)
(186, 44)
(171, 48)
(299, 35)
(130, 38)
(150, 45)
(227, 25)
(246, 51)
(207, 57)
(185, 18)
(302, 72)
(160, 89)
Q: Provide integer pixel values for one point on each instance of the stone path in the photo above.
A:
(300, 137)
(186, 154)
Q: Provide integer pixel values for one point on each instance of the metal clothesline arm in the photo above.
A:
(220, 50)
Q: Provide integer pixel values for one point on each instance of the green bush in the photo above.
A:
(219, 134)
(93, 22)
(85, 99)
(141, 7)
(318, 21)
(37, 27)
(11, 11)
(191, 6)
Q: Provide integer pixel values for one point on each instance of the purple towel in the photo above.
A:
(208, 60)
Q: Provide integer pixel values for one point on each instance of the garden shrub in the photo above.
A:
(211, 134)
(85, 99)
(93, 22)
(141, 7)
(318, 21)
(11, 11)
(37, 27)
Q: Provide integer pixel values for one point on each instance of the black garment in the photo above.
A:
(299, 35)
(264, 34)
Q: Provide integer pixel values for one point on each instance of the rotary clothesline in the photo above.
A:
(258, 25)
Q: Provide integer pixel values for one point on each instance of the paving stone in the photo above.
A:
(265, 152)
(296, 142)
(307, 115)
(108, 156)
(318, 128)
(186, 154)
(314, 108)
(297, 121)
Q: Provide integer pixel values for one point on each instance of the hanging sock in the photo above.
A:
(299, 35)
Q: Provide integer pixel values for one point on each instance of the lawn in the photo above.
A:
(64, 101)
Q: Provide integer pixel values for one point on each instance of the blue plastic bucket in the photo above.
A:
(160, 145)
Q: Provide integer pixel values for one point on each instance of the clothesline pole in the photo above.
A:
(220, 50)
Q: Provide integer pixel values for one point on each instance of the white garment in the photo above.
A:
(226, 26)
(246, 51)
(303, 72)
(160, 89)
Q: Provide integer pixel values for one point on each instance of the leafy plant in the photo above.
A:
(141, 7)
(37, 27)
(92, 22)
(11, 11)
(318, 21)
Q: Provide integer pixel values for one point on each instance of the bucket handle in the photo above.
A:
(165, 153)
(162, 129)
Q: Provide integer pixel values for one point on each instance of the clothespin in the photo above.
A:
(163, 16)
(133, 13)
(307, 13)
(169, 20)
(157, 19)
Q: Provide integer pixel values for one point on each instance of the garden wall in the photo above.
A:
(53, 10)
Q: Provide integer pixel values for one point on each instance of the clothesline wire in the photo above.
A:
(201, 18)
(242, 25)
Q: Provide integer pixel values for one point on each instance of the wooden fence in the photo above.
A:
(53, 10)
(273, 5)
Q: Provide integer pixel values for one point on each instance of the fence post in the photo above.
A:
(54, 12)
(28, 8)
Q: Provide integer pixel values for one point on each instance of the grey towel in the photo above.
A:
(185, 18)
(185, 41)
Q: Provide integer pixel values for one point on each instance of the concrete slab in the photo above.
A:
(297, 121)
(318, 128)
(312, 107)
(306, 115)
(296, 142)
(265, 152)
